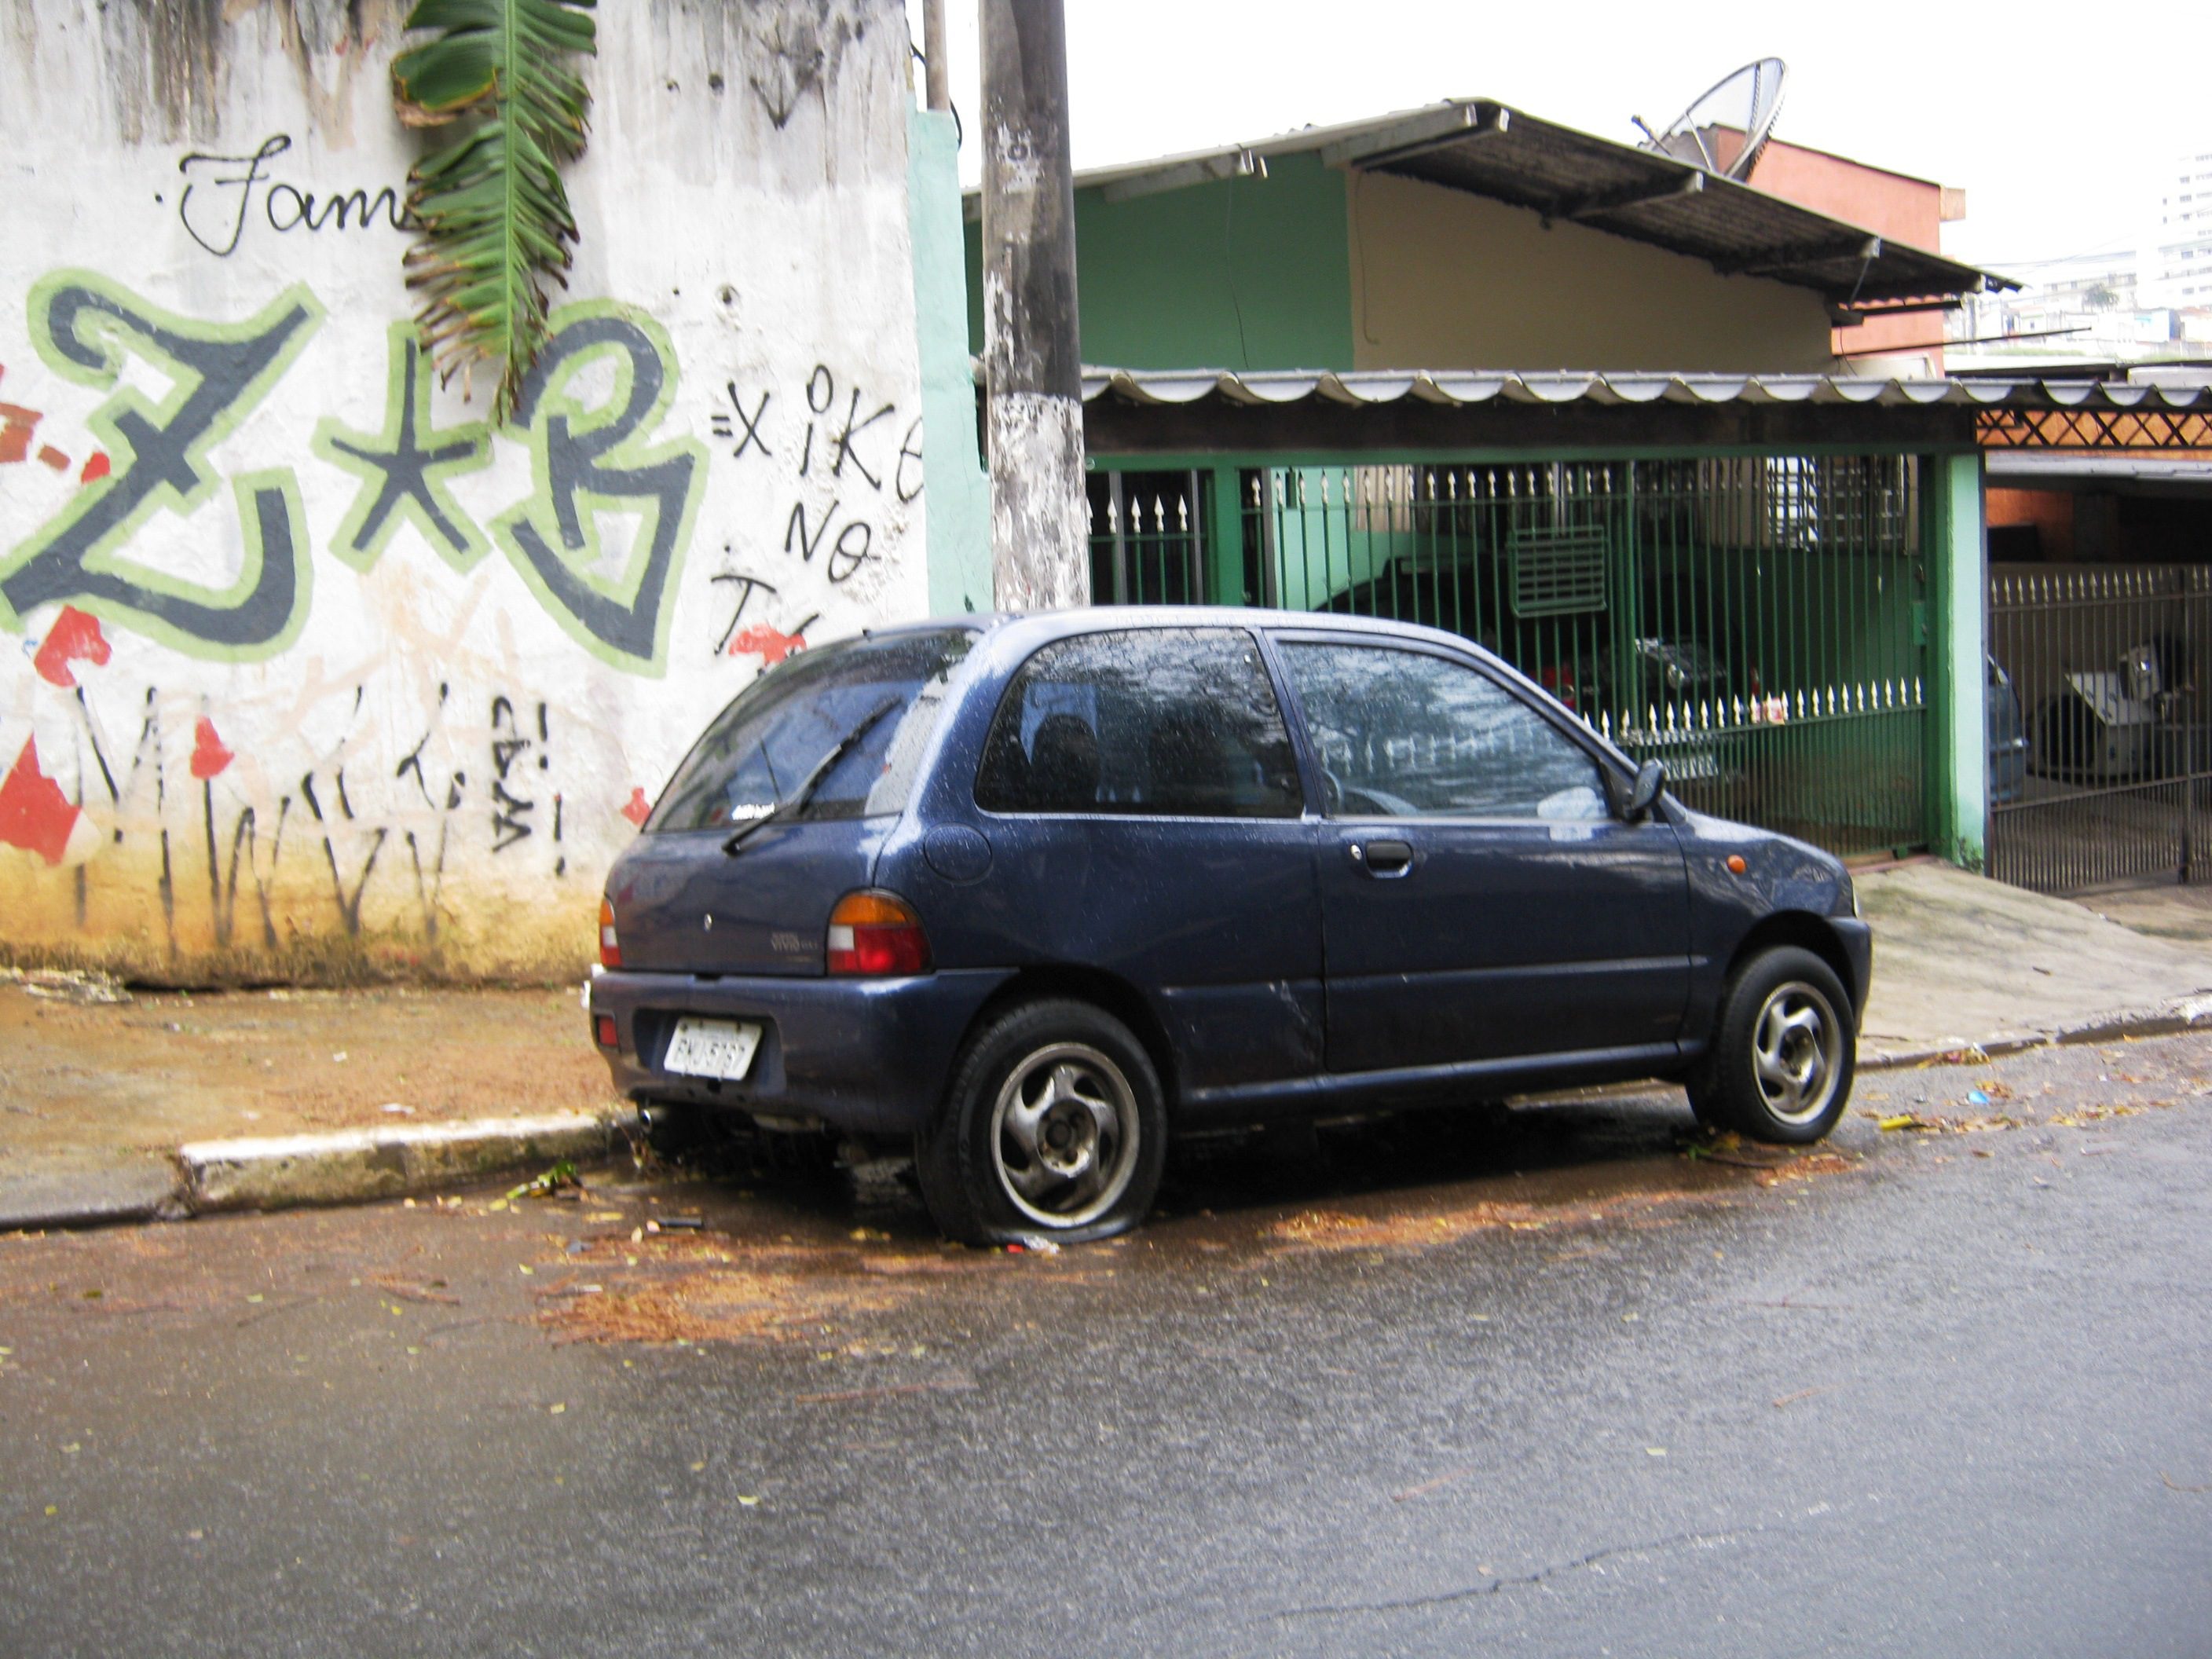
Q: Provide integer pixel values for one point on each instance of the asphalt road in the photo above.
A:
(1538, 1381)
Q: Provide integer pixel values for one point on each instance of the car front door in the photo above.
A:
(1480, 898)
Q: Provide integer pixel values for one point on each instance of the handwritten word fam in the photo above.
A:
(219, 199)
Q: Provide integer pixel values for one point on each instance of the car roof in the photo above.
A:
(1028, 630)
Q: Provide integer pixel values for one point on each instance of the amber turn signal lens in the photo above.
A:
(609, 947)
(1737, 866)
(877, 933)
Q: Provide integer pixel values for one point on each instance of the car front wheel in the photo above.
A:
(1780, 1067)
(1054, 1126)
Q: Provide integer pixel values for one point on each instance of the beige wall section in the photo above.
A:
(1441, 279)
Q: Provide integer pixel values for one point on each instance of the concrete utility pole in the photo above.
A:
(938, 77)
(1032, 360)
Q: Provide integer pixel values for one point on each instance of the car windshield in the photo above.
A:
(760, 749)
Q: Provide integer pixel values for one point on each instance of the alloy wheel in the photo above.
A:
(1064, 1135)
(1796, 1043)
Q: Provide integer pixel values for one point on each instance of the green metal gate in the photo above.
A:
(1758, 622)
(2100, 768)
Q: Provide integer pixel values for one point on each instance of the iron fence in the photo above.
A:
(1756, 622)
(2101, 766)
(1147, 545)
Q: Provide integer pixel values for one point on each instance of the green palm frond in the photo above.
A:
(493, 219)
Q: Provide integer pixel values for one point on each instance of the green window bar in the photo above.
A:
(1758, 622)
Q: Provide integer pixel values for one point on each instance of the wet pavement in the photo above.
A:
(1560, 1379)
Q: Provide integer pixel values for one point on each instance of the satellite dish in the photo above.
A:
(1725, 130)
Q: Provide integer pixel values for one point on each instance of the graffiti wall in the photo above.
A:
(306, 664)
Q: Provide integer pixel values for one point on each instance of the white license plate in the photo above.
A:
(711, 1047)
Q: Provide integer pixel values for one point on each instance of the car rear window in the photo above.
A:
(1163, 722)
(759, 750)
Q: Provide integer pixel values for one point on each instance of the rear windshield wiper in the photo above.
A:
(786, 811)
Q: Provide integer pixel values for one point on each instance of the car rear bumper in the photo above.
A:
(867, 1055)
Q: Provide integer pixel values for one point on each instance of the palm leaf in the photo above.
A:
(492, 216)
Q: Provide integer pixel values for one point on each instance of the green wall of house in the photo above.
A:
(1245, 273)
(957, 508)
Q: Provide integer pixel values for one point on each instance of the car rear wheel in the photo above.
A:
(1054, 1126)
(1779, 1068)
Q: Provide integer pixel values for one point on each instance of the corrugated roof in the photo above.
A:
(1492, 149)
(1456, 389)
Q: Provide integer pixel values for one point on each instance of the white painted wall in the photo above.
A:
(427, 756)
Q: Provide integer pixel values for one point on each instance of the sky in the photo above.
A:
(2061, 124)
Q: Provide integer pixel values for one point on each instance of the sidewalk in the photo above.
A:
(1959, 960)
(100, 1086)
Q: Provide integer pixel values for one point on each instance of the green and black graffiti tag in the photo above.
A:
(402, 468)
(83, 325)
(591, 458)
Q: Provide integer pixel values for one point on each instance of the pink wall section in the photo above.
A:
(1895, 207)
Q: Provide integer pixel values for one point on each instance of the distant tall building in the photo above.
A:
(2180, 264)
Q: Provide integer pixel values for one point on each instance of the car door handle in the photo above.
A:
(1384, 859)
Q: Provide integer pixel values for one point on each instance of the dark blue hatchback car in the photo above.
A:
(1036, 892)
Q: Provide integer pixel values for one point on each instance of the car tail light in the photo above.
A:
(609, 947)
(877, 933)
(603, 1028)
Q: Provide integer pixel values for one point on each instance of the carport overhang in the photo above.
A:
(1191, 412)
(2154, 477)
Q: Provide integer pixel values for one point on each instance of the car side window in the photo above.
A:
(1162, 722)
(1405, 734)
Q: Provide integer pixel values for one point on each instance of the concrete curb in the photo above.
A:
(362, 1165)
(2170, 1018)
(69, 1193)
(358, 1166)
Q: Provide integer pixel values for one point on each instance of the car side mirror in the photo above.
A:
(1644, 793)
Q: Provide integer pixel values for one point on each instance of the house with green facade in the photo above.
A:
(1578, 401)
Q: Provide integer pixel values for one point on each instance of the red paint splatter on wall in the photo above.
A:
(16, 424)
(95, 468)
(772, 647)
(639, 809)
(209, 757)
(49, 456)
(34, 814)
(74, 637)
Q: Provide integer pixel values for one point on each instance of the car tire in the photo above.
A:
(1054, 1126)
(1783, 1051)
